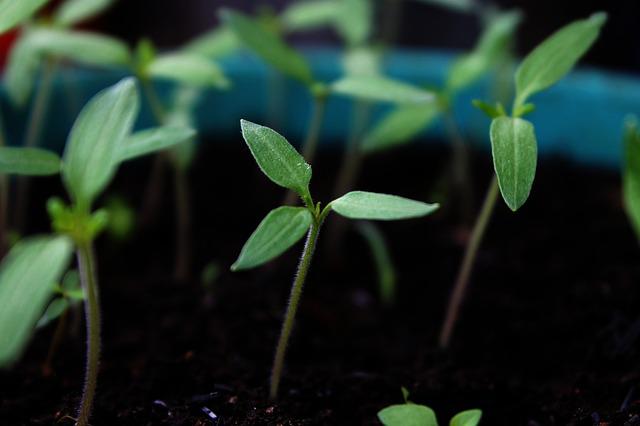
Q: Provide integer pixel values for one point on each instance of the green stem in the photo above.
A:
(462, 280)
(88, 279)
(460, 167)
(34, 130)
(292, 308)
(310, 145)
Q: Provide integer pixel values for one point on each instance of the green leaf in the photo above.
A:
(381, 89)
(71, 286)
(631, 175)
(21, 70)
(277, 158)
(353, 21)
(556, 55)
(28, 161)
(281, 229)
(27, 278)
(490, 50)
(399, 126)
(457, 5)
(53, 311)
(156, 139)
(407, 415)
(14, 12)
(310, 14)
(515, 154)
(82, 47)
(94, 145)
(268, 46)
(214, 44)
(466, 418)
(371, 205)
(362, 61)
(189, 69)
(490, 110)
(73, 12)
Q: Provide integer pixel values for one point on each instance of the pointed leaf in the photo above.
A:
(310, 14)
(407, 415)
(81, 46)
(381, 89)
(156, 139)
(214, 44)
(515, 154)
(354, 21)
(94, 145)
(28, 161)
(400, 126)
(73, 12)
(281, 229)
(631, 175)
(22, 70)
(27, 278)
(371, 205)
(189, 69)
(556, 55)
(277, 158)
(467, 418)
(268, 46)
(53, 311)
(13, 13)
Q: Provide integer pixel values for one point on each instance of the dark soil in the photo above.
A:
(549, 333)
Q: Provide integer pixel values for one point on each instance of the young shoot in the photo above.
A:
(100, 140)
(285, 225)
(410, 414)
(513, 139)
(631, 174)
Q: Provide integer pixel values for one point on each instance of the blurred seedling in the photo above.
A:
(631, 174)
(513, 139)
(100, 140)
(286, 225)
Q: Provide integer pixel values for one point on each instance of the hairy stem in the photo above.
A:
(292, 308)
(88, 279)
(310, 145)
(35, 125)
(462, 280)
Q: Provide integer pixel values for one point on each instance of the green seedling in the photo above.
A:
(122, 218)
(98, 143)
(631, 174)
(513, 139)
(285, 225)
(386, 270)
(410, 414)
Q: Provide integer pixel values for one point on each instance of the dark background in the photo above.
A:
(172, 22)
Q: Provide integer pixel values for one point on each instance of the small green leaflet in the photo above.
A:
(53, 311)
(28, 161)
(27, 278)
(189, 69)
(21, 70)
(631, 175)
(515, 153)
(353, 21)
(310, 14)
(277, 158)
(556, 55)
(94, 145)
(407, 415)
(73, 12)
(268, 46)
(214, 44)
(399, 126)
(15, 12)
(152, 140)
(380, 89)
(80, 46)
(466, 418)
(371, 205)
(281, 229)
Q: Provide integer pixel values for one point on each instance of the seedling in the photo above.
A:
(99, 141)
(285, 225)
(513, 139)
(410, 414)
(385, 268)
(631, 174)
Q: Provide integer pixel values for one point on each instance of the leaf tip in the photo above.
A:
(599, 18)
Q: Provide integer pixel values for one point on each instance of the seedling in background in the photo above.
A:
(513, 139)
(99, 141)
(631, 174)
(285, 225)
(410, 414)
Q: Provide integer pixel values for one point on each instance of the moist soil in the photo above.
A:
(549, 333)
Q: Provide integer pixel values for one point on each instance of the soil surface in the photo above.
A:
(549, 333)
